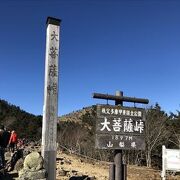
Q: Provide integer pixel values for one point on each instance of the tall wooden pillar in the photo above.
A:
(50, 108)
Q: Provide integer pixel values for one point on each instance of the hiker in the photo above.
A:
(4, 139)
(13, 141)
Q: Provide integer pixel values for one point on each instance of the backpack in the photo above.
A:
(14, 138)
(5, 139)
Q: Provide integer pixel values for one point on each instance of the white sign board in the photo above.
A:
(172, 157)
(170, 160)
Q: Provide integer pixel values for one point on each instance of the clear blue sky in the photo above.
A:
(106, 45)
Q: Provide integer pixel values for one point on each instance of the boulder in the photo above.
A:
(62, 172)
(19, 164)
(33, 162)
(32, 175)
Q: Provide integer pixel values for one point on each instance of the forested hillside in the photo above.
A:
(27, 125)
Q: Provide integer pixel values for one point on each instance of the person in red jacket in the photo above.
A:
(13, 141)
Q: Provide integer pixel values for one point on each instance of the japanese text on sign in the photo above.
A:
(122, 125)
(125, 112)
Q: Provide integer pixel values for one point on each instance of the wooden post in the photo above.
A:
(124, 171)
(50, 108)
(111, 171)
(118, 153)
(163, 173)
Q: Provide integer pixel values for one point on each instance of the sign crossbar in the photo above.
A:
(120, 98)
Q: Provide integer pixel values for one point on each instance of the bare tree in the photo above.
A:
(156, 131)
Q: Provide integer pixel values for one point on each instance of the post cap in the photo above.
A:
(54, 21)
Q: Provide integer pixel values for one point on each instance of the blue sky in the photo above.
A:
(106, 45)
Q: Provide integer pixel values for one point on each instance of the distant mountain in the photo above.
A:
(79, 115)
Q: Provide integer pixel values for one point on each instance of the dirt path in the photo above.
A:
(74, 166)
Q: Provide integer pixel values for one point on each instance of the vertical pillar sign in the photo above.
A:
(50, 108)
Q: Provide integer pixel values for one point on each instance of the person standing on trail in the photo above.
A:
(5, 138)
(13, 141)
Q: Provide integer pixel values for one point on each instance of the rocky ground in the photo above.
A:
(72, 167)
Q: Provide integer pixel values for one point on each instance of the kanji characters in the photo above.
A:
(139, 126)
(109, 144)
(117, 124)
(125, 112)
(53, 52)
(105, 125)
(128, 125)
(53, 70)
(133, 144)
(54, 36)
(121, 144)
(52, 89)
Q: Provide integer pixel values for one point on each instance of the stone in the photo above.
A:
(74, 172)
(7, 155)
(19, 164)
(61, 162)
(32, 175)
(33, 162)
(26, 152)
(62, 172)
(68, 161)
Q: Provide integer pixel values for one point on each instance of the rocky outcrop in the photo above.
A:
(33, 168)
(33, 162)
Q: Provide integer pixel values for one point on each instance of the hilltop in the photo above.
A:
(76, 116)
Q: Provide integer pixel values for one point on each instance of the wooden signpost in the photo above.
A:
(50, 108)
(119, 128)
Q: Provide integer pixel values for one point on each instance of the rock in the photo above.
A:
(62, 172)
(19, 164)
(33, 161)
(32, 144)
(61, 162)
(74, 172)
(26, 152)
(32, 175)
(32, 167)
(7, 155)
(61, 159)
(67, 161)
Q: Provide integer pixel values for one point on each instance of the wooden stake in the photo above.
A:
(50, 108)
